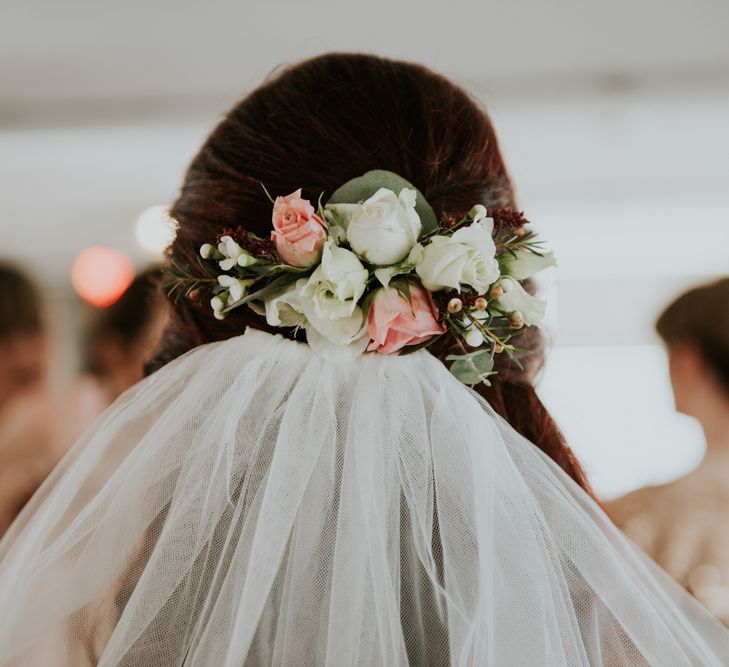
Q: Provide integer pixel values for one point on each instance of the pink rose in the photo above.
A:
(299, 233)
(394, 322)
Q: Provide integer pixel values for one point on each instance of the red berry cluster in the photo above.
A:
(508, 218)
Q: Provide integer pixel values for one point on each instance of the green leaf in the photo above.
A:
(402, 287)
(270, 289)
(261, 269)
(454, 324)
(363, 187)
(366, 303)
(472, 368)
(420, 346)
(268, 194)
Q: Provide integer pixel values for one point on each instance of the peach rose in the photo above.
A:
(299, 233)
(394, 322)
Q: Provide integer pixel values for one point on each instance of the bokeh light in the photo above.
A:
(154, 230)
(100, 275)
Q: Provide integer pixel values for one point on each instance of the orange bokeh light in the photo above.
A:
(100, 275)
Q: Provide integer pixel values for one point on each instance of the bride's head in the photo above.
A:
(315, 126)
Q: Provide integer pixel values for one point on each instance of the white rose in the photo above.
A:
(524, 264)
(295, 307)
(468, 257)
(286, 309)
(384, 228)
(338, 352)
(516, 298)
(328, 298)
(342, 331)
(386, 273)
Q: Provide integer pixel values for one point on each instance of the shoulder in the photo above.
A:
(656, 515)
(638, 502)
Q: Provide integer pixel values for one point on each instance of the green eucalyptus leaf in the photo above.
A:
(472, 368)
(363, 187)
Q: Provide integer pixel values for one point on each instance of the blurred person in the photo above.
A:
(276, 494)
(684, 525)
(123, 337)
(23, 379)
(23, 339)
(43, 421)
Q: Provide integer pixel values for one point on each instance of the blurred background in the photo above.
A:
(614, 119)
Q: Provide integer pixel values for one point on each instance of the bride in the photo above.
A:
(340, 459)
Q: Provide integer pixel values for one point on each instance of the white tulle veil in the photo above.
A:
(253, 503)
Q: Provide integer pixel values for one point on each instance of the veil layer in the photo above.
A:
(254, 504)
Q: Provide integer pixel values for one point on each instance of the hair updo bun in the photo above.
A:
(318, 124)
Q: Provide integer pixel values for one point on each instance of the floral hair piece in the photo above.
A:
(373, 271)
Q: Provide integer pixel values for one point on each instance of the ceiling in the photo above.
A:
(75, 51)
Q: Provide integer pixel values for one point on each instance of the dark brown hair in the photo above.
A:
(318, 124)
(701, 316)
(127, 321)
(21, 310)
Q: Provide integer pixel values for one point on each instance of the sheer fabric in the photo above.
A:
(253, 503)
